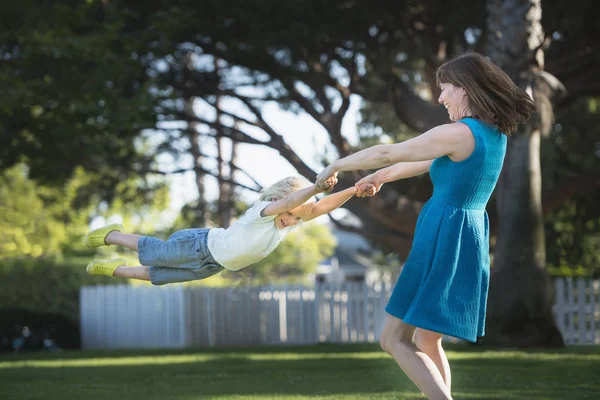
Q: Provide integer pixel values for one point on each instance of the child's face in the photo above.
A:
(289, 218)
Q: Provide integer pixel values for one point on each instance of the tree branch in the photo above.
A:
(279, 144)
(204, 170)
(418, 114)
(229, 132)
(289, 85)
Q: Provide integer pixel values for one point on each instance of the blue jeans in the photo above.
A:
(184, 257)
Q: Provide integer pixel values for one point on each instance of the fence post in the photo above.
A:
(594, 284)
(559, 305)
(581, 311)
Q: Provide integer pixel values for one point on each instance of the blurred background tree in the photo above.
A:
(118, 95)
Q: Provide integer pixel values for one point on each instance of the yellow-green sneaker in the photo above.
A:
(96, 237)
(105, 267)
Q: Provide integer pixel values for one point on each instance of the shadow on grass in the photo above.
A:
(304, 349)
(326, 371)
(574, 349)
(323, 348)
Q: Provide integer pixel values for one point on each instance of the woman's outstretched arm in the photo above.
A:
(448, 139)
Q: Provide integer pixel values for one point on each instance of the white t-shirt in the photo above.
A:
(248, 240)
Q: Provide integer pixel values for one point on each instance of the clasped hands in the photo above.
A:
(366, 187)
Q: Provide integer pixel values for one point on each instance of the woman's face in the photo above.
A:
(454, 98)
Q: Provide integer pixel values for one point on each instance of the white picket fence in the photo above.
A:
(125, 316)
(577, 310)
(179, 316)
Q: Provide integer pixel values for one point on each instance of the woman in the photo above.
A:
(444, 283)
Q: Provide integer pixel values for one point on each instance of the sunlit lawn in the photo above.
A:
(315, 372)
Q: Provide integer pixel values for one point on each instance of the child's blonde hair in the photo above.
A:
(284, 187)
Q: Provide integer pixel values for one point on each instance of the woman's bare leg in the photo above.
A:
(430, 343)
(128, 240)
(139, 272)
(396, 340)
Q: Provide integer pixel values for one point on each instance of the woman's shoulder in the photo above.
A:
(454, 132)
(479, 124)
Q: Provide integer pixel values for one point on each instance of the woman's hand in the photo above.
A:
(328, 185)
(366, 190)
(368, 186)
(326, 177)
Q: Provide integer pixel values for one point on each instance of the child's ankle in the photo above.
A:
(107, 239)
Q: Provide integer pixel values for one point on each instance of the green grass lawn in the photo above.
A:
(314, 372)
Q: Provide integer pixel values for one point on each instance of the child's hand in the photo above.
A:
(367, 186)
(329, 184)
(325, 176)
(366, 190)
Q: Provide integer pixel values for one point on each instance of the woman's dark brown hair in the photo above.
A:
(492, 95)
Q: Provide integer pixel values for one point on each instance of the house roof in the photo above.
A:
(349, 262)
(349, 241)
(349, 252)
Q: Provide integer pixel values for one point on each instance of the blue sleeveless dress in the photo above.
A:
(443, 285)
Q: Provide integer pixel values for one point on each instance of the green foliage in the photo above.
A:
(75, 92)
(45, 285)
(20, 233)
(570, 161)
(573, 237)
(292, 261)
(571, 271)
(44, 220)
(36, 220)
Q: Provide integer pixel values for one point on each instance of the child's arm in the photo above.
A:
(327, 204)
(290, 201)
(401, 170)
(370, 184)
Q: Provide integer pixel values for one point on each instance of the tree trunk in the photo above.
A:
(194, 138)
(521, 292)
(231, 196)
(200, 209)
(226, 201)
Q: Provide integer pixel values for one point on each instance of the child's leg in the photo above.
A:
(164, 275)
(182, 249)
(118, 267)
(160, 275)
(95, 238)
(105, 267)
(140, 272)
(128, 240)
(157, 275)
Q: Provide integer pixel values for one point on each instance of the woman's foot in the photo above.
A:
(105, 267)
(96, 237)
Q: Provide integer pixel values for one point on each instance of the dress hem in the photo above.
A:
(432, 328)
